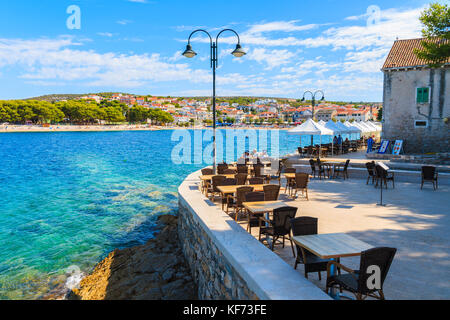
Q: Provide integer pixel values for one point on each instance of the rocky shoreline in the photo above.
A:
(156, 270)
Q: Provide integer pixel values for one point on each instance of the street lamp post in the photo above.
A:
(313, 102)
(189, 53)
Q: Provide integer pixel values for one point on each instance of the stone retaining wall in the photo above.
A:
(227, 262)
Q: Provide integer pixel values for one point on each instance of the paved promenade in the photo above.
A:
(415, 221)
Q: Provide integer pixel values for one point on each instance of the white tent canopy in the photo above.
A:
(372, 125)
(332, 126)
(364, 129)
(368, 127)
(310, 127)
(343, 129)
(321, 122)
(352, 128)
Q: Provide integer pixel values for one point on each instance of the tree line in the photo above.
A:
(77, 112)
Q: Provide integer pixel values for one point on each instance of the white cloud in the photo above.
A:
(271, 58)
(58, 59)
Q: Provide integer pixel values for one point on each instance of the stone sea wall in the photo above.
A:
(226, 262)
(214, 275)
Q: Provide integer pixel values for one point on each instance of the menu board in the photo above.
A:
(397, 147)
(384, 146)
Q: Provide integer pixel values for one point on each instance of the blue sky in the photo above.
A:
(135, 46)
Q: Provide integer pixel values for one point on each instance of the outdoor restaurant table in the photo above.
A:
(332, 246)
(224, 190)
(208, 177)
(333, 164)
(263, 206)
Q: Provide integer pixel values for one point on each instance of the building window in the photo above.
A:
(421, 124)
(423, 95)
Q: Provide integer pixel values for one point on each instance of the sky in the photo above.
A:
(135, 46)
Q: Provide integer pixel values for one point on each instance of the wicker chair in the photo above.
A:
(242, 168)
(256, 181)
(236, 201)
(305, 226)
(279, 227)
(221, 168)
(356, 281)
(227, 182)
(258, 169)
(429, 174)
(384, 176)
(212, 187)
(241, 179)
(371, 171)
(343, 169)
(253, 219)
(301, 183)
(271, 192)
(229, 171)
(207, 171)
(277, 175)
(289, 182)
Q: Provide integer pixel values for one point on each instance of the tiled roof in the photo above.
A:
(402, 54)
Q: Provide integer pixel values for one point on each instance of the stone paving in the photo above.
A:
(415, 221)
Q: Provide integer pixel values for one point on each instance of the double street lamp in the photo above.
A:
(189, 53)
(313, 102)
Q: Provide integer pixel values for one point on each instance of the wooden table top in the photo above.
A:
(332, 245)
(264, 206)
(232, 189)
(289, 175)
(209, 176)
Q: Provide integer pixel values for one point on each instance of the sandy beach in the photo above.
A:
(128, 127)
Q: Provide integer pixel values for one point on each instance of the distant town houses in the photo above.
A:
(257, 111)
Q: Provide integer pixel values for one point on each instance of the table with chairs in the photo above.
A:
(250, 194)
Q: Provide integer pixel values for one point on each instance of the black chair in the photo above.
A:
(300, 183)
(279, 227)
(371, 171)
(289, 182)
(212, 187)
(340, 169)
(253, 219)
(242, 168)
(236, 201)
(254, 181)
(241, 178)
(207, 171)
(258, 169)
(271, 192)
(313, 167)
(277, 175)
(305, 226)
(221, 167)
(227, 182)
(429, 174)
(323, 169)
(384, 176)
(357, 281)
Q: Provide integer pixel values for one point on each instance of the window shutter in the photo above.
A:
(419, 95)
(425, 95)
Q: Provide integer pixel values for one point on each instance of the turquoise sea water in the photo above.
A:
(70, 198)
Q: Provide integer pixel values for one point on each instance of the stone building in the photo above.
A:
(416, 100)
